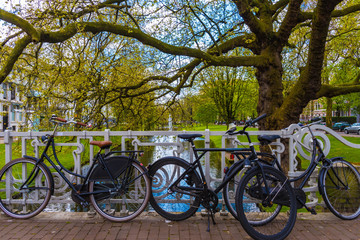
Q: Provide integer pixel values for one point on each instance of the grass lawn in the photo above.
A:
(217, 139)
(338, 149)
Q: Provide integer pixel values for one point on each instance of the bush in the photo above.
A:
(350, 120)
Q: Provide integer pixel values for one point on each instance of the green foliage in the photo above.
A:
(94, 59)
(344, 119)
(206, 113)
(233, 91)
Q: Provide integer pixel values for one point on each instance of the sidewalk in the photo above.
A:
(151, 226)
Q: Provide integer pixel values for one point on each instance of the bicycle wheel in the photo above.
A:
(255, 204)
(122, 203)
(171, 204)
(341, 189)
(231, 186)
(26, 201)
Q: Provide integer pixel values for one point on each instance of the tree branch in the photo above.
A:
(20, 45)
(290, 21)
(279, 5)
(96, 27)
(21, 23)
(335, 14)
(249, 18)
(87, 10)
(330, 91)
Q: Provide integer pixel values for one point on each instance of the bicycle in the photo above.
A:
(179, 187)
(117, 186)
(338, 182)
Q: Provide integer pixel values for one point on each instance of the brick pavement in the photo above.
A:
(150, 226)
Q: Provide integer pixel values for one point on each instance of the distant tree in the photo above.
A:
(232, 90)
(206, 113)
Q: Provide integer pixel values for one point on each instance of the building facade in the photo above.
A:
(12, 111)
(317, 108)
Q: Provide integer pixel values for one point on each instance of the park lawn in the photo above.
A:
(217, 139)
(338, 149)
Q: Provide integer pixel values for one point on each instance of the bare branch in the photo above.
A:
(10, 37)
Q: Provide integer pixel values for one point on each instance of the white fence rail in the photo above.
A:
(294, 133)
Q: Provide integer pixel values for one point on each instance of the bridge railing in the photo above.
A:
(299, 145)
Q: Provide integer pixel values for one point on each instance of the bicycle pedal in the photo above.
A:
(312, 211)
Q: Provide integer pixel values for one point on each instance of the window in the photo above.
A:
(13, 91)
(4, 90)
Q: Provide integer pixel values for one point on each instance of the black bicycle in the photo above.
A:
(179, 187)
(338, 182)
(116, 185)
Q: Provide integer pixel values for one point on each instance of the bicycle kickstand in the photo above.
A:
(210, 214)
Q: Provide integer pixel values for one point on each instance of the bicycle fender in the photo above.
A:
(235, 167)
(321, 184)
(52, 185)
(146, 172)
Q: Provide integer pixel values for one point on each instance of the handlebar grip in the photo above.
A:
(60, 119)
(259, 118)
(81, 124)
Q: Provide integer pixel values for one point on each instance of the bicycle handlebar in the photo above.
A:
(59, 119)
(248, 123)
(64, 121)
(258, 119)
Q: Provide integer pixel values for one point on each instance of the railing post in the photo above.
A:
(207, 156)
(8, 140)
(107, 138)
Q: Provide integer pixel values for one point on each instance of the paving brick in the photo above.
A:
(48, 227)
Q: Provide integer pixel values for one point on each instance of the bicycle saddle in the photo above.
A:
(189, 137)
(267, 139)
(101, 144)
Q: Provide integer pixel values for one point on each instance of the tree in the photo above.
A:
(190, 36)
(206, 113)
(232, 90)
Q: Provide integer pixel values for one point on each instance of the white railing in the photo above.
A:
(294, 133)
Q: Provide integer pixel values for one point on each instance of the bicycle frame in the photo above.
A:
(100, 158)
(316, 150)
(197, 164)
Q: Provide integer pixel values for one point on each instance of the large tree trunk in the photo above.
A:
(270, 89)
(329, 112)
(284, 112)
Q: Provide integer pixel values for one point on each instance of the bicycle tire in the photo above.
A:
(251, 206)
(122, 205)
(173, 206)
(340, 185)
(231, 186)
(28, 202)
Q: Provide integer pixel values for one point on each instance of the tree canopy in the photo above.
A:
(284, 41)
